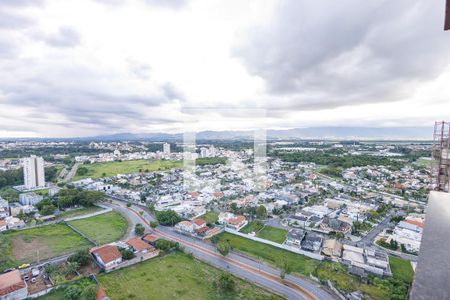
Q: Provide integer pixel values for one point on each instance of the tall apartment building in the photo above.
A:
(33, 172)
(166, 149)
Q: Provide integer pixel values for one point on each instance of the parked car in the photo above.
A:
(24, 266)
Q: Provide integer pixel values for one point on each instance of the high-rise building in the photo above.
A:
(166, 149)
(33, 172)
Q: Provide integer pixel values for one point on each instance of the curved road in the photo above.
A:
(291, 287)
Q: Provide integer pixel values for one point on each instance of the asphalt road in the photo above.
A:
(268, 277)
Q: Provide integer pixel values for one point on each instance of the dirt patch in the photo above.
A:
(28, 250)
(91, 268)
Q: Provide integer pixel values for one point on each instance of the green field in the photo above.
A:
(378, 288)
(174, 276)
(273, 234)
(254, 226)
(401, 269)
(104, 228)
(210, 217)
(25, 246)
(300, 264)
(270, 233)
(107, 169)
(79, 212)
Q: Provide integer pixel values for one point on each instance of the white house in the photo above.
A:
(185, 226)
(107, 257)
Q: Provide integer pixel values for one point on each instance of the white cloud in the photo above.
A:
(94, 67)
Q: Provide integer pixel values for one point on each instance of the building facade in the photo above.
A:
(33, 172)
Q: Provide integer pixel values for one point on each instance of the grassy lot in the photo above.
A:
(23, 246)
(270, 233)
(104, 228)
(273, 234)
(43, 192)
(275, 256)
(79, 212)
(108, 169)
(254, 226)
(401, 269)
(377, 288)
(211, 217)
(174, 276)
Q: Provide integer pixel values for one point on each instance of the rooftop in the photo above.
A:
(10, 282)
(107, 253)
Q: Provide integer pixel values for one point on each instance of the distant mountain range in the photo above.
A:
(322, 133)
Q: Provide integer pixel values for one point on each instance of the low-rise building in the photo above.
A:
(30, 198)
(332, 248)
(107, 257)
(3, 225)
(12, 286)
(372, 260)
(139, 246)
(186, 226)
(334, 225)
(151, 239)
(295, 237)
(312, 242)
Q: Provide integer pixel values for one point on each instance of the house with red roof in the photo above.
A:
(107, 257)
(139, 246)
(151, 239)
(185, 226)
(3, 225)
(12, 286)
(101, 294)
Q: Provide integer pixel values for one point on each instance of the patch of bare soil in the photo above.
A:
(29, 250)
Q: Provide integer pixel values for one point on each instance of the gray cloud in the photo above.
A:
(9, 20)
(82, 98)
(20, 3)
(65, 37)
(325, 54)
(173, 4)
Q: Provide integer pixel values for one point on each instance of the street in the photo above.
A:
(292, 287)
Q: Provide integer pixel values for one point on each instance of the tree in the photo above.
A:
(261, 212)
(285, 267)
(126, 253)
(72, 267)
(223, 246)
(226, 283)
(89, 293)
(139, 229)
(72, 292)
(154, 224)
(81, 257)
(82, 171)
(168, 217)
(234, 207)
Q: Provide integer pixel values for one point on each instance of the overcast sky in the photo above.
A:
(89, 67)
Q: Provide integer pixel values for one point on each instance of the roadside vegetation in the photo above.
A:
(376, 288)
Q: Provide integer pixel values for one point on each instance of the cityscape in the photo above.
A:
(194, 149)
